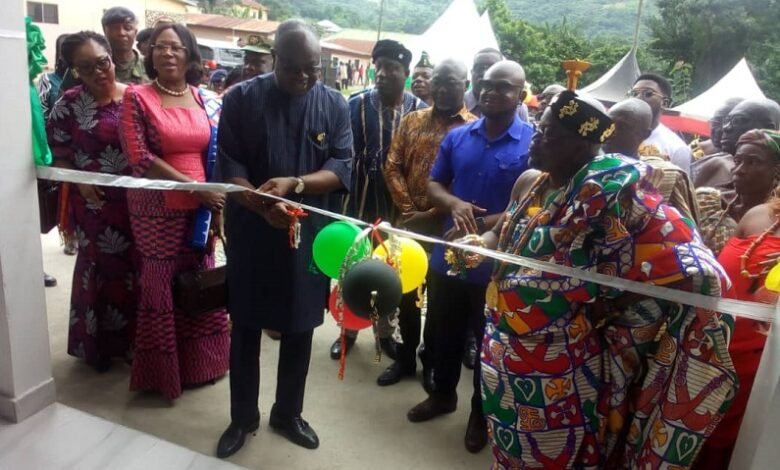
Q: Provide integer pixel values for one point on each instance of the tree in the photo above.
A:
(711, 35)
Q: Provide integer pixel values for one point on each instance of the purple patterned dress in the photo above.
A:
(103, 296)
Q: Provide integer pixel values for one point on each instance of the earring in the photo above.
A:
(75, 74)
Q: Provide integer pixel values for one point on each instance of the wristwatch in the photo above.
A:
(300, 186)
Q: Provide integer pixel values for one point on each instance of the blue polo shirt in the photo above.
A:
(480, 171)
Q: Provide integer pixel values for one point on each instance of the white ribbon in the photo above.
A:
(739, 308)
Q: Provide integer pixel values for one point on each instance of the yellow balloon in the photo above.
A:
(773, 279)
(414, 263)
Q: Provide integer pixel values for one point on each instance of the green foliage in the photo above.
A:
(713, 35)
(541, 49)
(680, 77)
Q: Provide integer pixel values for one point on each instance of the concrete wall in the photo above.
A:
(26, 385)
(77, 15)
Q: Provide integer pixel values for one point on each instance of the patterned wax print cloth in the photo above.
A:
(641, 387)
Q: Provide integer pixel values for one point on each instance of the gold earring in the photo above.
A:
(75, 74)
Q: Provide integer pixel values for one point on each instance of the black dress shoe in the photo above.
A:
(394, 374)
(435, 405)
(49, 281)
(428, 384)
(296, 430)
(233, 438)
(335, 349)
(476, 433)
(103, 363)
(389, 347)
(470, 356)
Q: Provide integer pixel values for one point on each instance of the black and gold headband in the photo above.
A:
(582, 117)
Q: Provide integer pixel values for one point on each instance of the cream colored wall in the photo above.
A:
(171, 6)
(77, 15)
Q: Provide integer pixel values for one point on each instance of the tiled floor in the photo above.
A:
(61, 437)
(359, 424)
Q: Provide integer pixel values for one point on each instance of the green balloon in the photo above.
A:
(332, 244)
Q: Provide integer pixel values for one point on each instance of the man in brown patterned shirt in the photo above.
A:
(407, 170)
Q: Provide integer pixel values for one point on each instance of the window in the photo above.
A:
(43, 12)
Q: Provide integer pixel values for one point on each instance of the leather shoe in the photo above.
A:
(435, 405)
(476, 433)
(296, 430)
(49, 281)
(335, 349)
(394, 374)
(233, 438)
(389, 347)
(428, 384)
(470, 356)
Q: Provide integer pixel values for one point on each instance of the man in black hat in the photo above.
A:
(376, 114)
(120, 28)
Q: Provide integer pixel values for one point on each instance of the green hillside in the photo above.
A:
(611, 17)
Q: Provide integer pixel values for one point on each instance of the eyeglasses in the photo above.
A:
(644, 93)
(286, 67)
(448, 84)
(102, 63)
(163, 48)
(499, 87)
(739, 121)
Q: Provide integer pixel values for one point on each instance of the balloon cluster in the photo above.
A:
(370, 286)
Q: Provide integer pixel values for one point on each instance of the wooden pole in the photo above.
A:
(638, 23)
(381, 15)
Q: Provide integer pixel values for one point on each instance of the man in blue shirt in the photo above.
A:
(471, 181)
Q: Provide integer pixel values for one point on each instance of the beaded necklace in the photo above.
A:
(743, 259)
(169, 91)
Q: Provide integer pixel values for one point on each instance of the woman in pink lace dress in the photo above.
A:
(166, 134)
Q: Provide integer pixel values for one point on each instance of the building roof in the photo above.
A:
(253, 4)
(370, 35)
(191, 3)
(334, 47)
(229, 22)
(360, 45)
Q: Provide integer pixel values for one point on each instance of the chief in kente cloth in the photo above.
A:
(289, 135)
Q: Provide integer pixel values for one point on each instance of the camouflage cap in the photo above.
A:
(257, 43)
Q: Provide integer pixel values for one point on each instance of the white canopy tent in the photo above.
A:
(612, 87)
(738, 83)
(693, 117)
(457, 34)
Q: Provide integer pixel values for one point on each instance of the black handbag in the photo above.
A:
(200, 292)
(48, 204)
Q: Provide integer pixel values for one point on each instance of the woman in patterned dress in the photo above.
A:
(83, 135)
(166, 134)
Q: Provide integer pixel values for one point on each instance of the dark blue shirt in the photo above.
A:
(265, 133)
(480, 171)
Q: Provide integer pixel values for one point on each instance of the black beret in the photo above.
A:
(581, 117)
(392, 50)
(117, 15)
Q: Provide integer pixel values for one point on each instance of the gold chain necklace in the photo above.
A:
(169, 91)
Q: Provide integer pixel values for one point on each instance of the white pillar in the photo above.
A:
(756, 446)
(26, 385)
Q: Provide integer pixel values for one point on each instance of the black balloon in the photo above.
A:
(365, 277)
